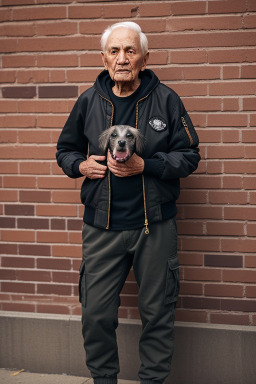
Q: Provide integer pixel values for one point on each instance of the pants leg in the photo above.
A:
(103, 271)
(156, 270)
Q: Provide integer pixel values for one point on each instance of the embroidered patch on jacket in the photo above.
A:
(157, 124)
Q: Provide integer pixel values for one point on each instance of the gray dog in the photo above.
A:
(123, 141)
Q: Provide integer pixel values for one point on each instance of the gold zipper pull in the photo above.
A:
(146, 227)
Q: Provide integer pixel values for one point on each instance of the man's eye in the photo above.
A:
(130, 52)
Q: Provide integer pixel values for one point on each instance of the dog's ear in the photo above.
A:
(140, 142)
(104, 139)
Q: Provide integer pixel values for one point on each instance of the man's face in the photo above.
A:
(123, 57)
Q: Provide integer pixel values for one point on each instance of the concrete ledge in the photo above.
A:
(203, 353)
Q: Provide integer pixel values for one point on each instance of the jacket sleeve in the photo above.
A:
(183, 156)
(72, 144)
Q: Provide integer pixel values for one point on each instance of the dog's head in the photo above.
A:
(122, 140)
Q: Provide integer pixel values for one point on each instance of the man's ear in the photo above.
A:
(145, 61)
(103, 57)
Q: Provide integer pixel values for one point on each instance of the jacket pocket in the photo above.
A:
(172, 281)
(82, 284)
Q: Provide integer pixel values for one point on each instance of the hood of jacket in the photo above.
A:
(149, 79)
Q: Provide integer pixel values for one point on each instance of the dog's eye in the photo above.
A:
(129, 135)
(113, 134)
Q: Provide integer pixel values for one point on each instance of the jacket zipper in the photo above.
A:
(143, 180)
(109, 183)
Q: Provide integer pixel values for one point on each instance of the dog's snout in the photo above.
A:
(121, 143)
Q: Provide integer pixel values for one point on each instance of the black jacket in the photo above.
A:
(171, 149)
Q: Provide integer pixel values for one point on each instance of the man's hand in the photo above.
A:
(133, 166)
(92, 169)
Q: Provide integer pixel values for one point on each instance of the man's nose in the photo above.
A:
(121, 58)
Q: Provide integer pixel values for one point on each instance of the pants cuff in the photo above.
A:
(105, 380)
(147, 381)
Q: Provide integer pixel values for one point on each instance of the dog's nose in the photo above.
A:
(121, 143)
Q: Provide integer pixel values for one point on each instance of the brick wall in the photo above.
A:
(204, 50)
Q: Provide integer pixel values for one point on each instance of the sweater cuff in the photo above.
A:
(76, 167)
(154, 167)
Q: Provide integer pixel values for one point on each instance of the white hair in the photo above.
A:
(129, 25)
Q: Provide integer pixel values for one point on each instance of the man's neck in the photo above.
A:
(125, 89)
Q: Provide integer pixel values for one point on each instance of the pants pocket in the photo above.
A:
(172, 281)
(82, 284)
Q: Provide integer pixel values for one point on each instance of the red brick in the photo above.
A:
(225, 197)
(25, 92)
(190, 228)
(52, 237)
(38, 13)
(190, 258)
(35, 196)
(191, 288)
(248, 103)
(231, 72)
(239, 213)
(19, 210)
(29, 275)
(9, 249)
(65, 277)
(223, 290)
(58, 224)
(230, 318)
(48, 308)
(16, 61)
(191, 316)
(202, 39)
(230, 136)
(204, 23)
(239, 166)
(54, 289)
(251, 291)
(238, 245)
(18, 307)
(154, 9)
(249, 21)
(79, 75)
(232, 88)
(18, 262)
(34, 168)
(18, 287)
(56, 210)
(34, 249)
(190, 89)
(249, 261)
(202, 274)
(17, 236)
(8, 195)
(52, 263)
(201, 212)
(66, 251)
(249, 182)
(232, 182)
(188, 8)
(230, 104)
(238, 305)
(60, 60)
(237, 55)
(224, 229)
(200, 303)
(227, 6)
(248, 71)
(84, 12)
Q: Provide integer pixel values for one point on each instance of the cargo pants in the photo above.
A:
(107, 259)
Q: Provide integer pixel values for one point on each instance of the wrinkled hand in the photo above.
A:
(92, 169)
(131, 167)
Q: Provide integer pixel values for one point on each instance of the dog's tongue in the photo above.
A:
(119, 155)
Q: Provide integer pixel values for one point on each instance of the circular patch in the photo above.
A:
(157, 124)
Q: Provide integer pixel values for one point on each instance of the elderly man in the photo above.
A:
(130, 208)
